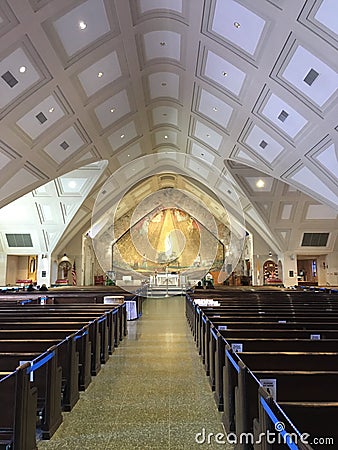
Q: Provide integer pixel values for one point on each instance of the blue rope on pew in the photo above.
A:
(276, 423)
(23, 302)
(78, 336)
(115, 311)
(102, 319)
(204, 319)
(231, 359)
(214, 334)
(40, 363)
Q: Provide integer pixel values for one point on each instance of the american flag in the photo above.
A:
(74, 274)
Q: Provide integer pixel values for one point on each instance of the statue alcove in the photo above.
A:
(64, 268)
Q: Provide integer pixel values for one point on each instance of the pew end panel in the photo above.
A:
(212, 355)
(246, 405)
(230, 381)
(273, 421)
(219, 365)
(68, 359)
(18, 401)
(47, 377)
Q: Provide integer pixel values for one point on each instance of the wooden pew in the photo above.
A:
(46, 376)
(78, 298)
(18, 399)
(98, 331)
(87, 357)
(224, 322)
(310, 421)
(298, 320)
(67, 358)
(217, 353)
(259, 343)
(62, 375)
(291, 386)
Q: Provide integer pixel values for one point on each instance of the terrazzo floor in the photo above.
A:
(152, 393)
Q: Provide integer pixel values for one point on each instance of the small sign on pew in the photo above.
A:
(315, 337)
(222, 327)
(237, 347)
(31, 376)
(270, 385)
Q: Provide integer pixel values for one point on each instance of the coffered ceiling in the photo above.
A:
(242, 89)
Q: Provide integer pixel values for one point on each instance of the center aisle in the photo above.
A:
(152, 394)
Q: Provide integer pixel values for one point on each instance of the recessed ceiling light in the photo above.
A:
(100, 74)
(22, 69)
(208, 135)
(122, 136)
(237, 25)
(202, 154)
(163, 83)
(112, 110)
(260, 183)
(128, 155)
(215, 109)
(225, 74)
(51, 109)
(163, 43)
(165, 136)
(82, 25)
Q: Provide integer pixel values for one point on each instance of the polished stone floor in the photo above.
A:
(152, 393)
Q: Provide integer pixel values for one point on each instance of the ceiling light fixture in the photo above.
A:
(225, 74)
(22, 69)
(163, 43)
(163, 83)
(122, 136)
(215, 109)
(82, 25)
(165, 136)
(237, 25)
(112, 110)
(208, 135)
(260, 183)
(51, 109)
(100, 74)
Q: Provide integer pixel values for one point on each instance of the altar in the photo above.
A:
(164, 279)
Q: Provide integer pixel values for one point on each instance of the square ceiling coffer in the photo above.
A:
(64, 145)
(41, 117)
(310, 77)
(10, 79)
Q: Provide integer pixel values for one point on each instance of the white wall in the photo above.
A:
(289, 263)
(332, 269)
(3, 269)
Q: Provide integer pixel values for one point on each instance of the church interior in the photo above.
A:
(179, 95)
(160, 151)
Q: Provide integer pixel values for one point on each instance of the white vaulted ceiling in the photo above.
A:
(244, 88)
